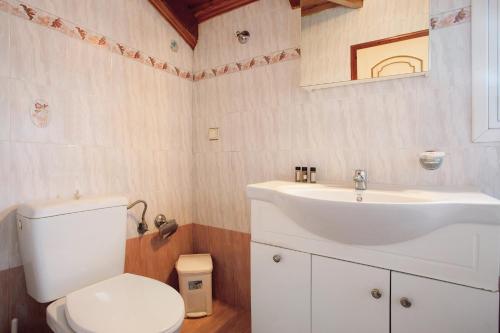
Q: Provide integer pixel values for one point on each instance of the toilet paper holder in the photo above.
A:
(166, 228)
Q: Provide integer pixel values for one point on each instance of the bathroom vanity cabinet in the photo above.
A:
(299, 292)
(402, 261)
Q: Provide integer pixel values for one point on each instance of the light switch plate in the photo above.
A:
(213, 133)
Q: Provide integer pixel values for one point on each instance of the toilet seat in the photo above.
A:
(125, 303)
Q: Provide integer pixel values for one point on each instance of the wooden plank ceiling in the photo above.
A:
(185, 15)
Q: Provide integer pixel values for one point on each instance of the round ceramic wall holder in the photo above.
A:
(431, 160)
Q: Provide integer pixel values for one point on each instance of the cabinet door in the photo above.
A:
(349, 298)
(281, 290)
(431, 306)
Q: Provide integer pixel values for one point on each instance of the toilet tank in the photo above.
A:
(69, 244)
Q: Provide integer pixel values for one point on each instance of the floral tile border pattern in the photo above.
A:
(72, 30)
(450, 18)
(273, 58)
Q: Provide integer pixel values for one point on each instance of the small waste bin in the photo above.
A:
(195, 283)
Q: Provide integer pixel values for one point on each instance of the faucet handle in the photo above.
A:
(360, 175)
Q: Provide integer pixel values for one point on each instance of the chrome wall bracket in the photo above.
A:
(166, 228)
(142, 227)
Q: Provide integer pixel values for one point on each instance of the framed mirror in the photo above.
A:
(353, 41)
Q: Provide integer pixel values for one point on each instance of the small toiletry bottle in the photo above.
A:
(298, 174)
(312, 175)
(304, 174)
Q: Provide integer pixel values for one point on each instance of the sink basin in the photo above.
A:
(346, 195)
(384, 216)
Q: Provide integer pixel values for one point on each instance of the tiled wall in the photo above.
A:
(118, 124)
(269, 125)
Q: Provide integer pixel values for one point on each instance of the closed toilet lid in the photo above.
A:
(125, 303)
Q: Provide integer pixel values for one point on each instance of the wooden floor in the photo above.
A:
(224, 319)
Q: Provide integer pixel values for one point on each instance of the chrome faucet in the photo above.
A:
(360, 180)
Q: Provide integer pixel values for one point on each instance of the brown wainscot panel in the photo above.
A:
(230, 252)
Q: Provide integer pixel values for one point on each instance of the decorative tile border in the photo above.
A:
(263, 60)
(450, 18)
(72, 30)
(442, 20)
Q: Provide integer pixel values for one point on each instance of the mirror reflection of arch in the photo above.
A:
(397, 65)
(392, 56)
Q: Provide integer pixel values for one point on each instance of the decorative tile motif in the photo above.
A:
(39, 114)
(450, 18)
(263, 60)
(72, 30)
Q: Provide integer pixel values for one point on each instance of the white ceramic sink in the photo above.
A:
(384, 216)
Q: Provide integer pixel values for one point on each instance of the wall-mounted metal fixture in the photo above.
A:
(174, 46)
(431, 160)
(360, 179)
(166, 228)
(142, 227)
(243, 36)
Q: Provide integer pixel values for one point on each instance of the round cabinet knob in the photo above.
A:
(277, 258)
(405, 302)
(376, 293)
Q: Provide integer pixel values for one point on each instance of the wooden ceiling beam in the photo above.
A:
(306, 11)
(214, 8)
(180, 19)
(310, 3)
(310, 7)
(354, 4)
(295, 4)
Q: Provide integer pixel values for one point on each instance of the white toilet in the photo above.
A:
(74, 252)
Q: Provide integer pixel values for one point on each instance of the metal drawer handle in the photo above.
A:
(376, 293)
(405, 302)
(277, 258)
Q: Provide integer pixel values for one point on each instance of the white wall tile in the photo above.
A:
(42, 66)
(4, 109)
(4, 45)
